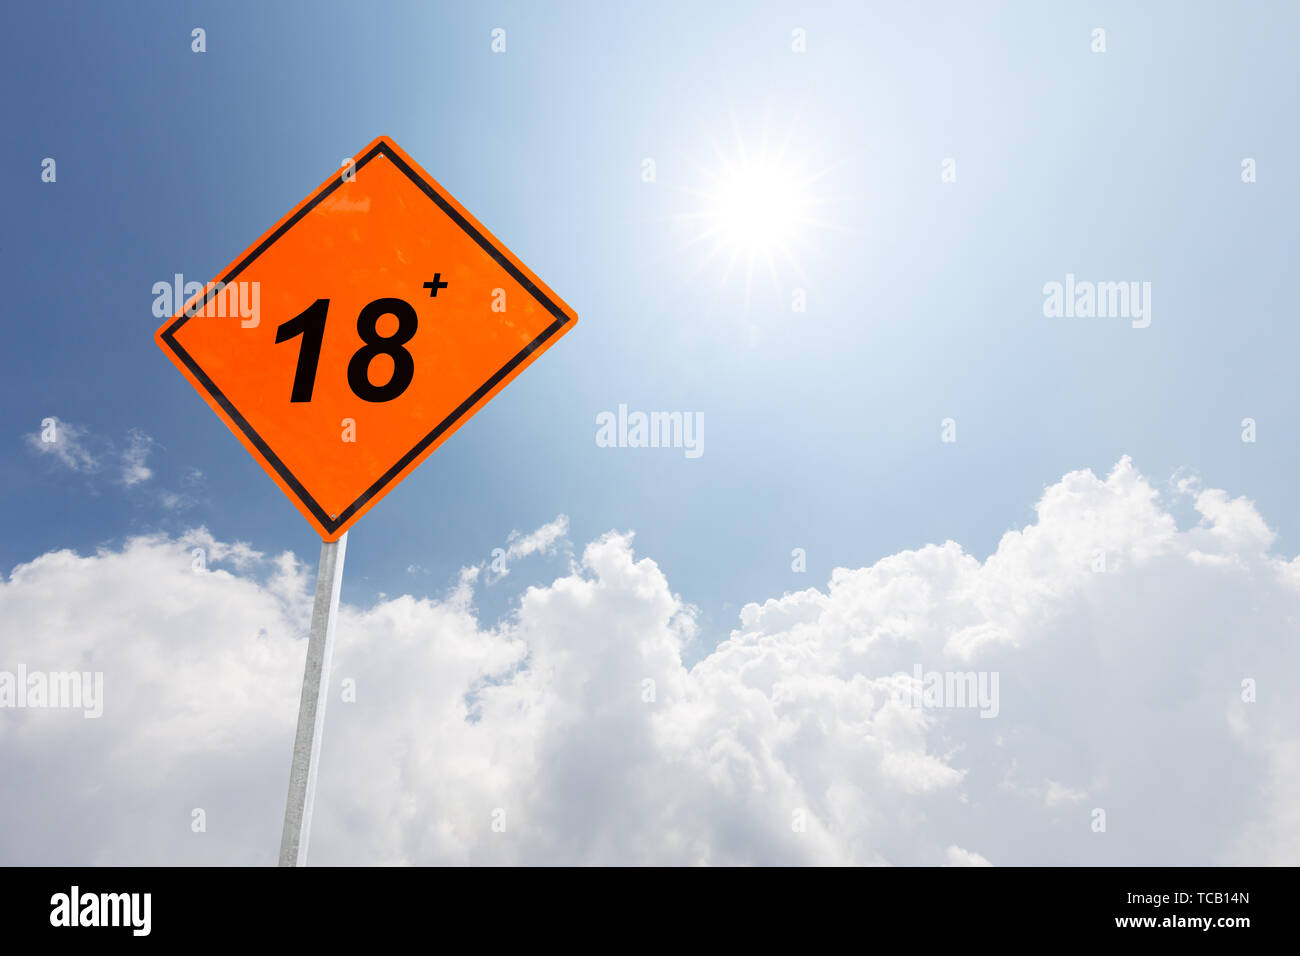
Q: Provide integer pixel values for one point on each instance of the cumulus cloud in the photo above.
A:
(574, 726)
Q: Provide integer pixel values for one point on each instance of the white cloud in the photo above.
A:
(544, 540)
(134, 456)
(956, 856)
(1057, 794)
(541, 541)
(68, 444)
(1119, 690)
(75, 448)
(240, 554)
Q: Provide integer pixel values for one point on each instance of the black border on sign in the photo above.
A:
(333, 524)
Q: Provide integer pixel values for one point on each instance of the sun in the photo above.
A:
(757, 210)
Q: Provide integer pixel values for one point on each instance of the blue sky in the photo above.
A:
(822, 428)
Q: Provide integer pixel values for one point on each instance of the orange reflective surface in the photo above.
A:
(476, 318)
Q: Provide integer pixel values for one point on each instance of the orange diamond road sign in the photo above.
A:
(384, 316)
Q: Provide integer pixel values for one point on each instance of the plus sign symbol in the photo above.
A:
(435, 285)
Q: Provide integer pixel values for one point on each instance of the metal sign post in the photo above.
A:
(311, 708)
